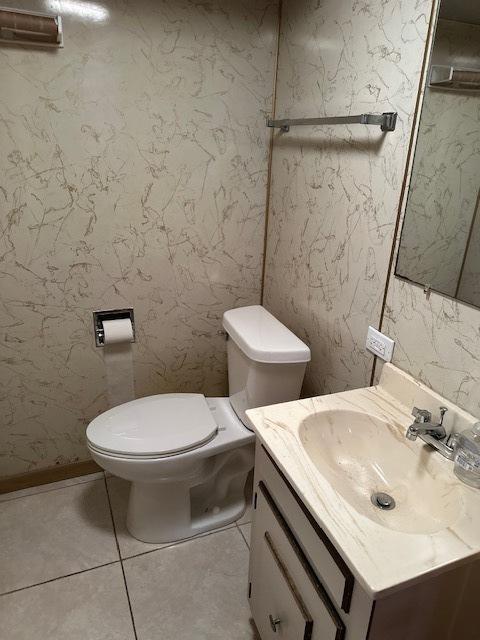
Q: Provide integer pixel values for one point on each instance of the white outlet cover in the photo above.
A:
(379, 344)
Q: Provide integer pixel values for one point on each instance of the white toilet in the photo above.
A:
(188, 456)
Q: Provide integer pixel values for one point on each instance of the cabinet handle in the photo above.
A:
(274, 622)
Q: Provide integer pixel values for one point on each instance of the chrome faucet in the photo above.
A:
(423, 424)
(431, 433)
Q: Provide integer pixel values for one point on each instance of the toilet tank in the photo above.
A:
(266, 361)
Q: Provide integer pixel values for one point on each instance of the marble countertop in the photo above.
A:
(382, 558)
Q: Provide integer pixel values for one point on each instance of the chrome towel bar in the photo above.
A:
(386, 121)
(447, 77)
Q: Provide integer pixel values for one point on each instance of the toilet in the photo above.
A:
(187, 456)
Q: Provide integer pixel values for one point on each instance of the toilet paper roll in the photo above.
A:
(117, 355)
(116, 331)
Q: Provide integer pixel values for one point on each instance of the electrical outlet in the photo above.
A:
(380, 344)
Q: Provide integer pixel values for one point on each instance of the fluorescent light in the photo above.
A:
(86, 10)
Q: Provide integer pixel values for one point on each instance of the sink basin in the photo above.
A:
(339, 449)
(360, 454)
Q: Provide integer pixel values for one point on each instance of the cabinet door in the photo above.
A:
(324, 557)
(286, 597)
(277, 607)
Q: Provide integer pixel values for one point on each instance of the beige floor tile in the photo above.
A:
(52, 534)
(246, 530)
(87, 606)
(51, 486)
(196, 590)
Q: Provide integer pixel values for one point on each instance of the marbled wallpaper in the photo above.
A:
(445, 176)
(437, 340)
(133, 173)
(335, 190)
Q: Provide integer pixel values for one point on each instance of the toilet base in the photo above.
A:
(170, 511)
(180, 496)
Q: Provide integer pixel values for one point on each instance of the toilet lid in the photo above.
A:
(157, 425)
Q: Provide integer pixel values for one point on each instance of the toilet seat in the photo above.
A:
(155, 426)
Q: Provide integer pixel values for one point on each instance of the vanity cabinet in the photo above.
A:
(300, 587)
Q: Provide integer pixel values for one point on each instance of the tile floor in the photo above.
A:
(70, 570)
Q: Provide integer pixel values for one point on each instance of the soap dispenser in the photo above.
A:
(467, 456)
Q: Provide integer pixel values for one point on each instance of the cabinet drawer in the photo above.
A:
(287, 599)
(277, 607)
(321, 553)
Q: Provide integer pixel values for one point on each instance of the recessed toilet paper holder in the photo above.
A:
(111, 314)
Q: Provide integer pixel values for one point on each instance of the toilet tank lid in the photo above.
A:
(262, 337)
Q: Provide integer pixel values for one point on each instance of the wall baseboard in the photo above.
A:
(45, 476)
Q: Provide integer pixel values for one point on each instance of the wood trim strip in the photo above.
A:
(45, 476)
(270, 157)
(307, 634)
(339, 561)
(302, 558)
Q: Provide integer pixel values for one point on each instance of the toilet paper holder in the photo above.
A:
(110, 314)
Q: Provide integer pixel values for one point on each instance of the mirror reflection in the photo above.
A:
(440, 242)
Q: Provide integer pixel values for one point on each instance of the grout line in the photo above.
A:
(37, 493)
(112, 519)
(239, 527)
(129, 602)
(121, 561)
(67, 575)
(169, 545)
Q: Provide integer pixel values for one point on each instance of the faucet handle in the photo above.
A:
(421, 415)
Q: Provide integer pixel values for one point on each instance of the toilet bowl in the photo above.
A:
(187, 456)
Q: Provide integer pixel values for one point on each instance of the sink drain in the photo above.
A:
(383, 501)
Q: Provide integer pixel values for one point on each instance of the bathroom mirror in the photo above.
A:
(440, 241)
